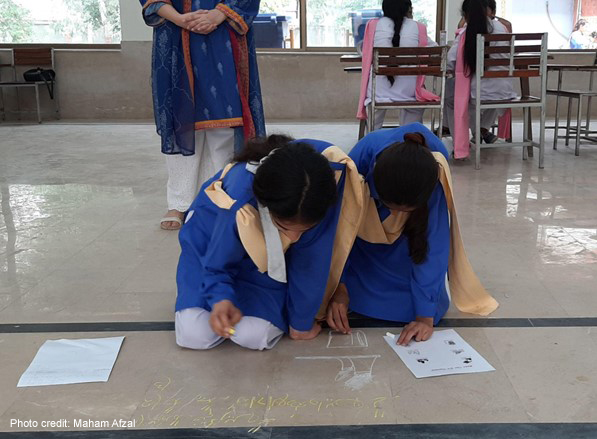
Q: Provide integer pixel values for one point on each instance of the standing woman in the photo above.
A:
(264, 244)
(409, 240)
(206, 92)
(395, 29)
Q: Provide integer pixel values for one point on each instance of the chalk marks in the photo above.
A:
(357, 339)
(356, 371)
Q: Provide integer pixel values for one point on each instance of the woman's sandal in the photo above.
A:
(171, 219)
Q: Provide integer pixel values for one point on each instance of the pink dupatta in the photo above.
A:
(462, 95)
(421, 93)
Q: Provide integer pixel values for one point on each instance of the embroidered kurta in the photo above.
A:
(382, 280)
(204, 81)
(224, 257)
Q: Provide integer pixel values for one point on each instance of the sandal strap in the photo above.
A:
(171, 219)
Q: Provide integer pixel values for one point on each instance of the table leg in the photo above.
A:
(578, 127)
(557, 127)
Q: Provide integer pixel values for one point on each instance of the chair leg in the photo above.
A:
(56, 102)
(542, 136)
(530, 149)
(477, 138)
(578, 127)
(38, 103)
(362, 126)
(3, 108)
(568, 121)
(588, 123)
(525, 133)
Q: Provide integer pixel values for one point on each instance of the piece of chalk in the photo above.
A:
(231, 331)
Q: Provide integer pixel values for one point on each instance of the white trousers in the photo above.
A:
(488, 117)
(213, 150)
(408, 115)
(194, 332)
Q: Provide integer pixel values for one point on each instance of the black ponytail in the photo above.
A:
(406, 174)
(475, 13)
(397, 10)
(295, 182)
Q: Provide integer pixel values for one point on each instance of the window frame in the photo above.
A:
(304, 48)
(440, 23)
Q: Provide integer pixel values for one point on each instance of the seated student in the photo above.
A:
(491, 13)
(461, 92)
(395, 29)
(409, 239)
(259, 244)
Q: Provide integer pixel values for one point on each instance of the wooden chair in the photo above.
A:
(408, 61)
(31, 58)
(581, 133)
(516, 61)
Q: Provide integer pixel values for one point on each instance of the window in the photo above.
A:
(60, 21)
(278, 24)
(571, 24)
(341, 23)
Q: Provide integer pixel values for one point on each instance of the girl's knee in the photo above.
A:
(193, 330)
(256, 334)
(186, 338)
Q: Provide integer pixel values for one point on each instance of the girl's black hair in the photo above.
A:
(580, 23)
(406, 174)
(475, 13)
(397, 10)
(295, 182)
(492, 5)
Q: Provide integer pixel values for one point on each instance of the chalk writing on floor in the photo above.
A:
(169, 405)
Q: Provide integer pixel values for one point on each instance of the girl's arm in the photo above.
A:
(222, 253)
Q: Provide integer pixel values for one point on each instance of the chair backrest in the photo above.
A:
(33, 57)
(513, 60)
(410, 61)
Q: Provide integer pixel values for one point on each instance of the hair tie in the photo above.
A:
(417, 138)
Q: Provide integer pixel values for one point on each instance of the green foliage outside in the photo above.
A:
(91, 15)
(15, 22)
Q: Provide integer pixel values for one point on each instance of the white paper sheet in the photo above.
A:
(72, 361)
(445, 353)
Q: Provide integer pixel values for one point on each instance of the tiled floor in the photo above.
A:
(80, 242)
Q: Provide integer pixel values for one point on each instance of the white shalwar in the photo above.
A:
(404, 86)
(214, 148)
(194, 332)
(494, 89)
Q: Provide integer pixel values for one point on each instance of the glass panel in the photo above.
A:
(570, 24)
(278, 24)
(60, 21)
(341, 23)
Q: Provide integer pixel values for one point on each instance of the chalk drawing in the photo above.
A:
(357, 339)
(356, 371)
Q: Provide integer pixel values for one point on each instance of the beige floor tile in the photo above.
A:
(553, 371)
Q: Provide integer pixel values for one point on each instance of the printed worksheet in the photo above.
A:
(72, 361)
(445, 353)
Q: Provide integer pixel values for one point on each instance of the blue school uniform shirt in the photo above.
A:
(382, 280)
(214, 265)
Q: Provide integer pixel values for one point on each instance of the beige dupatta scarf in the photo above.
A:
(251, 233)
(468, 294)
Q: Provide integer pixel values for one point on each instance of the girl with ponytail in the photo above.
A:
(409, 238)
(395, 29)
(258, 247)
(461, 91)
